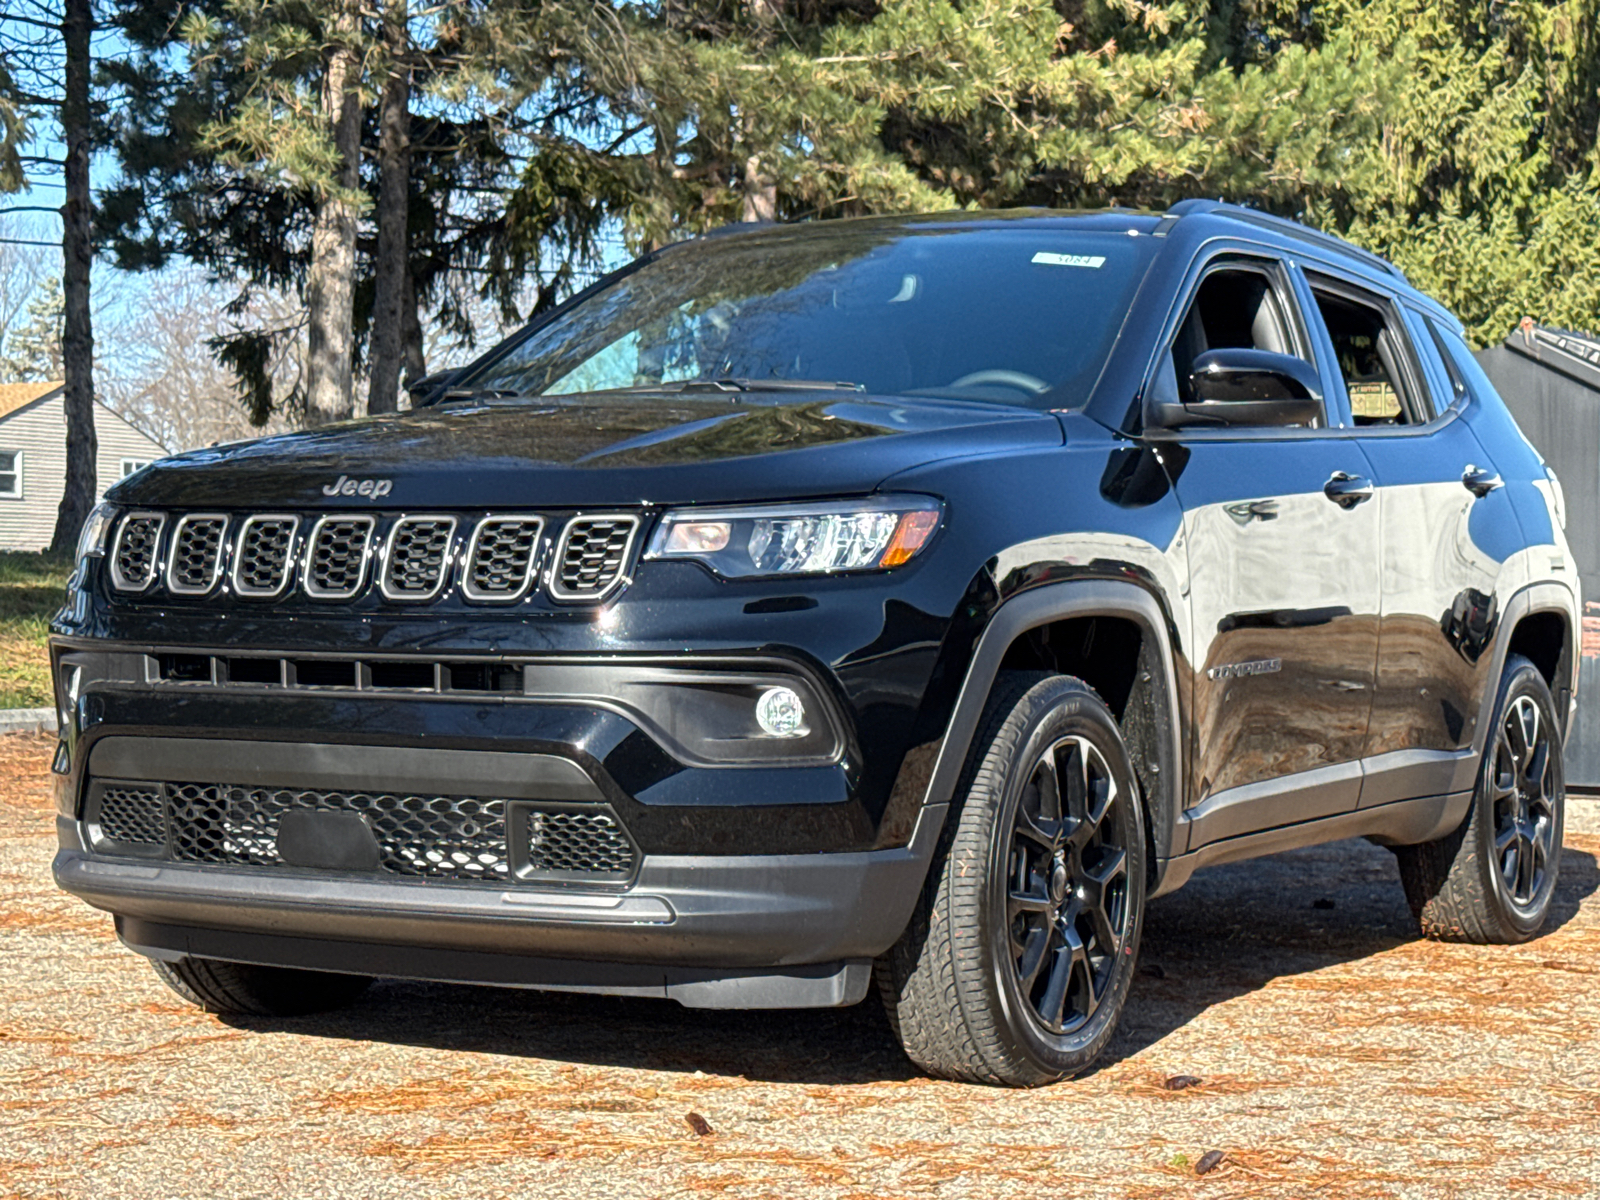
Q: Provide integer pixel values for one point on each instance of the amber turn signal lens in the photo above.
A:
(913, 533)
(698, 537)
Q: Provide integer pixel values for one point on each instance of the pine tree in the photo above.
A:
(32, 351)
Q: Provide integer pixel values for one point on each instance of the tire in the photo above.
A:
(1011, 887)
(240, 989)
(1492, 880)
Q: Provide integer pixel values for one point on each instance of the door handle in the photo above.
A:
(1347, 491)
(1480, 481)
(1252, 510)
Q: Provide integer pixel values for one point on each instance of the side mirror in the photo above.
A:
(429, 388)
(1243, 387)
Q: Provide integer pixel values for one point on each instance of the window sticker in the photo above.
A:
(1095, 261)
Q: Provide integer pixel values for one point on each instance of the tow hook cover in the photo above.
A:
(329, 841)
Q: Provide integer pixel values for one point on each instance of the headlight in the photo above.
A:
(871, 534)
(92, 538)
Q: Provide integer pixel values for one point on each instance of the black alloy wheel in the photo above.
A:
(1524, 811)
(1493, 879)
(1066, 886)
(1017, 962)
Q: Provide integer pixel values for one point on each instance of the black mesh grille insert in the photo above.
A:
(196, 559)
(500, 562)
(434, 837)
(591, 558)
(337, 562)
(133, 565)
(590, 843)
(265, 545)
(133, 815)
(419, 551)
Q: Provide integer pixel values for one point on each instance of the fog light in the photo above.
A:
(780, 713)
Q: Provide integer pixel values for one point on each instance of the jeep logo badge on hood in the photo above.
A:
(345, 486)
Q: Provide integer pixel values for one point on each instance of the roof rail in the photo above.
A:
(1283, 225)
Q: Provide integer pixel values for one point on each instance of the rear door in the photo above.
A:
(1283, 538)
(1446, 526)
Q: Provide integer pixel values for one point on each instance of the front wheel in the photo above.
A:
(1492, 880)
(1017, 963)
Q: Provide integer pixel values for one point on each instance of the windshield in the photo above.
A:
(1013, 315)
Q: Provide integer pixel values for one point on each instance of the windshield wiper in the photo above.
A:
(460, 394)
(733, 384)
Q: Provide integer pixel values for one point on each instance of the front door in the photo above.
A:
(1283, 531)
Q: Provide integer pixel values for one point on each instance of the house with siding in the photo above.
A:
(33, 459)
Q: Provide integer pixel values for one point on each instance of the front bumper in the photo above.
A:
(724, 931)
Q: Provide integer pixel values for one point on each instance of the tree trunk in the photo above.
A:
(412, 357)
(760, 193)
(330, 285)
(77, 249)
(394, 194)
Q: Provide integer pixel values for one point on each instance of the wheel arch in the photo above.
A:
(1055, 627)
(1538, 622)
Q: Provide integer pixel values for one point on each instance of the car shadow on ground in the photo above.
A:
(1229, 932)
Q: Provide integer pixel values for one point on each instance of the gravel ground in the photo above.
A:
(1337, 1056)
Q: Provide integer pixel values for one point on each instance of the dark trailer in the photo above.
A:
(1550, 380)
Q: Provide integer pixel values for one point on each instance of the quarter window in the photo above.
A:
(1370, 349)
(11, 474)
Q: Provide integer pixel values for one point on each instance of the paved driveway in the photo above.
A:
(1339, 1056)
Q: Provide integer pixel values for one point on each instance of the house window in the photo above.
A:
(11, 474)
(130, 465)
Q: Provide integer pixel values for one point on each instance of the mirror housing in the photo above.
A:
(429, 388)
(1243, 387)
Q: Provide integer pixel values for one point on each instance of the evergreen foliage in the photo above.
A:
(32, 351)
(1457, 138)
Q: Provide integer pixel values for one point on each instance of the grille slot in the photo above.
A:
(134, 816)
(264, 556)
(136, 559)
(194, 563)
(336, 557)
(434, 837)
(592, 844)
(501, 558)
(417, 557)
(591, 556)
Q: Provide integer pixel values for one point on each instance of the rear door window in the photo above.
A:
(1373, 355)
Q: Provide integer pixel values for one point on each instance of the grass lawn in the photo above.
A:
(32, 587)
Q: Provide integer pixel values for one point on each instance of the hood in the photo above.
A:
(588, 452)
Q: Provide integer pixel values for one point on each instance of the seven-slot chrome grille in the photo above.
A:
(402, 557)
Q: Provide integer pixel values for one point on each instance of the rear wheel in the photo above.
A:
(243, 989)
(1015, 968)
(1492, 880)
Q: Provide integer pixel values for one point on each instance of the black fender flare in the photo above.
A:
(1043, 606)
(1541, 597)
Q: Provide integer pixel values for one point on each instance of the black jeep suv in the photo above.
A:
(899, 601)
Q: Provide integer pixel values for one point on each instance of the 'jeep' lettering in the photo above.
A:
(371, 488)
